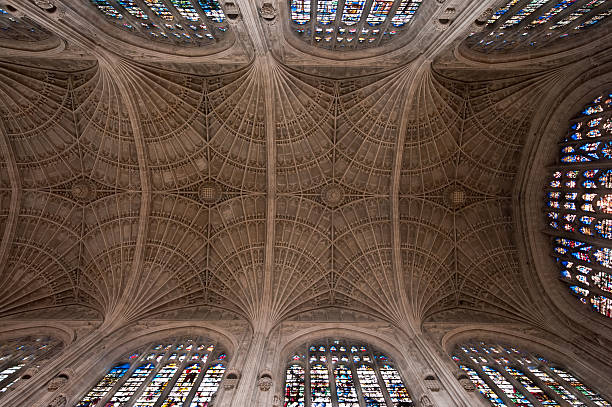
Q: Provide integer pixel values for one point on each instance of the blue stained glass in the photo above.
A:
(532, 6)
(133, 383)
(379, 11)
(502, 11)
(105, 7)
(104, 386)
(555, 386)
(596, 19)
(300, 11)
(153, 391)
(160, 9)
(405, 12)
(578, 385)
(556, 9)
(213, 10)
(483, 387)
(500, 381)
(352, 11)
(133, 9)
(395, 386)
(370, 388)
(326, 11)
(345, 387)
(185, 8)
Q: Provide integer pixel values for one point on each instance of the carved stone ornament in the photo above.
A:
(267, 11)
(264, 383)
(83, 190)
(231, 380)
(432, 384)
(59, 401)
(44, 4)
(426, 401)
(455, 196)
(57, 383)
(467, 384)
(209, 193)
(332, 195)
(32, 371)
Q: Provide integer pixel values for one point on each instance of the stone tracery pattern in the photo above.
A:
(352, 24)
(506, 375)
(161, 191)
(579, 206)
(534, 24)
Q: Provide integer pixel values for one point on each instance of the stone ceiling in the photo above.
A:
(262, 179)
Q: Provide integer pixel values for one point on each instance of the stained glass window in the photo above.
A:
(532, 24)
(183, 372)
(500, 372)
(351, 24)
(579, 203)
(345, 374)
(300, 11)
(17, 355)
(178, 22)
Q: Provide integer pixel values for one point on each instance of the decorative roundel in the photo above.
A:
(579, 206)
(177, 22)
(210, 193)
(83, 190)
(352, 24)
(332, 195)
(522, 25)
(456, 196)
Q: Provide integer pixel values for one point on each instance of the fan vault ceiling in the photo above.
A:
(135, 186)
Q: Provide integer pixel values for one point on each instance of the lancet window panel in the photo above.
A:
(177, 22)
(173, 372)
(534, 24)
(578, 206)
(20, 354)
(509, 376)
(351, 24)
(342, 373)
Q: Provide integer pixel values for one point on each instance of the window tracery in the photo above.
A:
(505, 375)
(182, 22)
(351, 24)
(186, 372)
(533, 24)
(17, 355)
(580, 204)
(20, 29)
(347, 374)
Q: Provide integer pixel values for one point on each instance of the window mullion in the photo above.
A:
(118, 385)
(545, 388)
(332, 377)
(492, 384)
(356, 382)
(145, 383)
(518, 386)
(569, 387)
(381, 382)
(198, 381)
(307, 387)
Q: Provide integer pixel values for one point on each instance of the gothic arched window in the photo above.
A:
(185, 372)
(17, 355)
(579, 201)
(530, 24)
(181, 22)
(355, 24)
(507, 376)
(344, 372)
